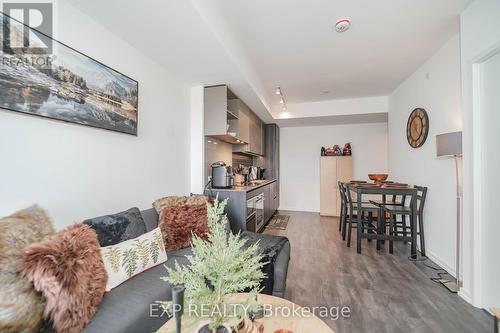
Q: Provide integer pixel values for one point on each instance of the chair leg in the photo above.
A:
(359, 226)
(391, 233)
(421, 232)
(379, 227)
(403, 218)
(349, 233)
(370, 223)
(344, 223)
(340, 218)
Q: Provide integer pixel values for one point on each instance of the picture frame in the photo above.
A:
(70, 86)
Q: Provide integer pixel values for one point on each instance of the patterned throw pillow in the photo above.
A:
(21, 306)
(127, 259)
(180, 218)
(119, 227)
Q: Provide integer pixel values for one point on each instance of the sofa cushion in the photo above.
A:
(68, 270)
(21, 306)
(131, 307)
(180, 218)
(150, 217)
(127, 259)
(119, 227)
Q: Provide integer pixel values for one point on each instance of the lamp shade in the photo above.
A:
(449, 144)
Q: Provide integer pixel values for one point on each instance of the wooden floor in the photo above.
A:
(385, 293)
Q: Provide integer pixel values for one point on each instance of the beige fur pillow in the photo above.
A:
(21, 306)
(69, 271)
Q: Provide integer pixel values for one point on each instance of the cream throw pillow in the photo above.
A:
(129, 258)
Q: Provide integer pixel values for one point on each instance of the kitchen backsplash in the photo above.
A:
(216, 150)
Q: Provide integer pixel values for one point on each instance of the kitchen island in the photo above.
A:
(250, 206)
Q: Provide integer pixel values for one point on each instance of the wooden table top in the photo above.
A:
(297, 324)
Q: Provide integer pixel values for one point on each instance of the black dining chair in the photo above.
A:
(344, 207)
(351, 215)
(400, 208)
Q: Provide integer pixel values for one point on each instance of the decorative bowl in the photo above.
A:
(378, 177)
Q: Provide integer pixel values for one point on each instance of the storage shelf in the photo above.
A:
(231, 115)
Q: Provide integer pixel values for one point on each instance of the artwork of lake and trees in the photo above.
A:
(73, 88)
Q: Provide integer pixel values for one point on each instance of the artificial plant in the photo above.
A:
(219, 266)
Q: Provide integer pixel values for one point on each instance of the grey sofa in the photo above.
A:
(131, 308)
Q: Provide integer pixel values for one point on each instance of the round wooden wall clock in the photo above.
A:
(417, 128)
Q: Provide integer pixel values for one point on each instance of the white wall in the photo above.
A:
(480, 36)
(197, 142)
(300, 149)
(435, 86)
(77, 172)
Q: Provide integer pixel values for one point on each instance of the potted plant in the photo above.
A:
(219, 266)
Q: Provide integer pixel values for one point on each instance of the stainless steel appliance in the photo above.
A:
(259, 212)
(222, 175)
(255, 213)
(251, 225)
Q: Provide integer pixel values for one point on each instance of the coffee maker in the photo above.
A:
(222, 175)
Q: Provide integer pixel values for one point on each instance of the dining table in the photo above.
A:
(383, 190)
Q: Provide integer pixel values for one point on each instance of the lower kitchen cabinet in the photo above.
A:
(240, 202)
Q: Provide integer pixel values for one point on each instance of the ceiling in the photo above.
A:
(254, 45)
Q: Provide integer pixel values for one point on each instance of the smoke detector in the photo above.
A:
(342, 25)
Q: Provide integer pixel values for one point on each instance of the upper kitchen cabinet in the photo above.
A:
(241, 125)
(255, 145)
(221, 121)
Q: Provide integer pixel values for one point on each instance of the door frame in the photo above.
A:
(479, 183)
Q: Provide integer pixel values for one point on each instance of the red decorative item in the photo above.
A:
(347, 149)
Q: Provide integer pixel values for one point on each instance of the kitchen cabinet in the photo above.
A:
(241, 125)
(271, 159)
(332, 170)
(255, 141)
(219, 121)
(274, 197)
(268, 203)
(236, 208)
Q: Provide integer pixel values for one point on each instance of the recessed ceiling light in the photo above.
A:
(282, 101)
(215, 143)
(278, 90)
(342, 25)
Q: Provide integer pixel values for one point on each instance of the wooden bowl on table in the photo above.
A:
(378, 178)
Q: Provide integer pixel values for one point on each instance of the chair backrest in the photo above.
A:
(421, 195)
(342, 193)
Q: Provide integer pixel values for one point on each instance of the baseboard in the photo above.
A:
(465, 295)
(440, 262)
(297, 210)
(462, 293)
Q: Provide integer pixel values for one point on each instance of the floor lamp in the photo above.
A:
(450, 145)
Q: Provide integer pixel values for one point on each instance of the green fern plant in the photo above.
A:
(220, 266)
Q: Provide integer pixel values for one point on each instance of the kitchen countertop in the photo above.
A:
(244, 188)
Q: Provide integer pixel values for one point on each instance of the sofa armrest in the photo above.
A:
(281, 271)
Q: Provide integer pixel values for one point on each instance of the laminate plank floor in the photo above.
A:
(384, 292)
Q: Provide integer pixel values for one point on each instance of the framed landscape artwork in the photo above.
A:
(72, 87)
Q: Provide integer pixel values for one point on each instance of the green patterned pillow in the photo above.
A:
(126, 259)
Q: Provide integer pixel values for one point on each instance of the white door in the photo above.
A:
(490, 138)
